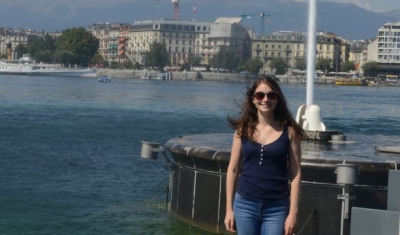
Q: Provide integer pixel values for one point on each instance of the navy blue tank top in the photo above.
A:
(264, 169)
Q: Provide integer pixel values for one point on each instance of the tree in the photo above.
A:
(347, 66)
(226, 58)
(80, 43)
(41, 44)
(20, 50)
(66, 57)
(278, 64)
(114, 65)
(254, 65)
(49, 43)
(324, 65)
(45, 56)
(370, 68)
(157, 56)
(242, 66)
(36, 46)
(185, 66)
(194, 59)
(127, 65)
(97, 60)
(300, 64)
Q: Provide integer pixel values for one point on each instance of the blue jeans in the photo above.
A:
(260, 218)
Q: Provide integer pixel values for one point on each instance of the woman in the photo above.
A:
(266, 145)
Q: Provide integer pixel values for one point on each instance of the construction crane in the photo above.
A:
(264, 14)
(176, 8)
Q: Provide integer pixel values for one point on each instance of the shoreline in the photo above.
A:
(207, 76)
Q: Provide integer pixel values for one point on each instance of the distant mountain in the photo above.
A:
(346, 20)
(393, 13)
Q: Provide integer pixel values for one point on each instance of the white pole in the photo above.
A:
(311, 50)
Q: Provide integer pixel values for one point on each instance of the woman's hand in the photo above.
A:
(290, 224)
(230, 222)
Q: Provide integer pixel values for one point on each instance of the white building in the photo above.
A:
(389, 43)
(182, 38)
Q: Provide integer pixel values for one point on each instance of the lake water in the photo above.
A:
(70, 147)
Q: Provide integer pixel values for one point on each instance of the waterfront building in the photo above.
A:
(113, 40)
(358, 54)
(182, 38)
(102, 33)
(385, 49)
(389, 43)
(292, 46)
(15, 37)
(372, 50)
(228, 32)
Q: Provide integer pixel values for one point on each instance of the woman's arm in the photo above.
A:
(295, 181)
(231, 176)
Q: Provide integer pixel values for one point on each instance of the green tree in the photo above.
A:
(97, 59)
(40, 44)
(324, 65)
(45, 56)
(194, 59)
(114, 65)
(370, 68)
(226, 58)
(20, 49)
(300, 64)
(106, 64)
(347, 66)
(242, 66)
(49, 43)
(79, 42)
(185, 66)
(127, 65)
(36, 46)
(136, 65)
(66, 57)
(278, 64)
(157, 56)
(254, 65)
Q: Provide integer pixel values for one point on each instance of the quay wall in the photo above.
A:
(206, 76)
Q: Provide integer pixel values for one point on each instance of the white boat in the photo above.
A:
(105, 79)
(28, 66)
(388, 149)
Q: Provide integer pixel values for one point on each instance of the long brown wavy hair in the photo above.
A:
(246, 124)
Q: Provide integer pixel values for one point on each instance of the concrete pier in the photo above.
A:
(198, 186)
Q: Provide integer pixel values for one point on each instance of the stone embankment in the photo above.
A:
(206, 76)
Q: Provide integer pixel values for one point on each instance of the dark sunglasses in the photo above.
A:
(272, 95)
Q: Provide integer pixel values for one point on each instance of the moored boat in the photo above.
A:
(351, 82)
(28, 66)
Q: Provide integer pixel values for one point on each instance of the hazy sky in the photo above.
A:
(46, 6)
(374, 5)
